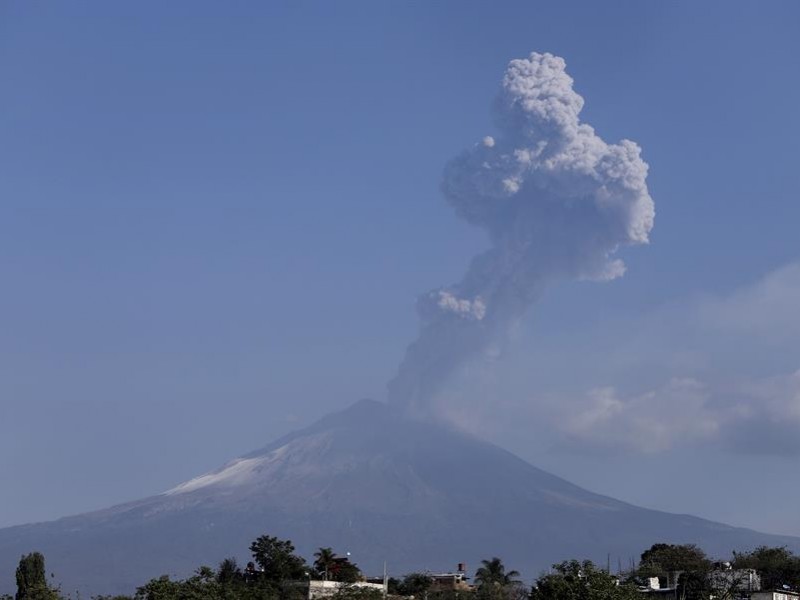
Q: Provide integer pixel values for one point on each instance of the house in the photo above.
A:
(775, 595)
(450, 581)
(654, 589)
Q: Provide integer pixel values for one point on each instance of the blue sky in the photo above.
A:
(214, 223)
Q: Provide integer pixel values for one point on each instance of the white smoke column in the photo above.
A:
(557, 203)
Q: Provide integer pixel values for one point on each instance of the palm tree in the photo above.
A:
(493, 572)
(325, 558)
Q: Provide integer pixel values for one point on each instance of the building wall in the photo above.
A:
(325, 589)
(775, 595)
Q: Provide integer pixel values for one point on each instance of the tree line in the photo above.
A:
(277, 572)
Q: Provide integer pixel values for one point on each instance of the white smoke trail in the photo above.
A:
(557, 203)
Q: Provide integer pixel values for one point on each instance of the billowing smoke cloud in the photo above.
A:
(557, 203)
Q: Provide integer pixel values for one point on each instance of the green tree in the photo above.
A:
(277, 559)
(493, 572)
(574, 580)
(351, 592)
(662, 559)
(229, 572)
(415, 584)
(776, 566)
(203, 585)
(324, 559)
(456, 594)
(345, 571)
(685, 566)
(31, 579)
(161, 588)
(495, 583)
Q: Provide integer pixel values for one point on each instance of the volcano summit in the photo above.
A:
(387, 487)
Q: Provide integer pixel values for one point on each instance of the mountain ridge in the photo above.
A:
(368, 479)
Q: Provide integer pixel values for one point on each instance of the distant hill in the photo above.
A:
(418, 495)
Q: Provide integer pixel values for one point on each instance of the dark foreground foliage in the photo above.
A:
(277, 572)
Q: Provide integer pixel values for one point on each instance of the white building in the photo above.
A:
(326, 589)
(775, 595)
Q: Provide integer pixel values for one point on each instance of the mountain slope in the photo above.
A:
(418, 495)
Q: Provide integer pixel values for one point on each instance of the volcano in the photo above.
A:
(369, 480)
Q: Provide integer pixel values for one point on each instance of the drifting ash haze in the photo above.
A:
(557, 203)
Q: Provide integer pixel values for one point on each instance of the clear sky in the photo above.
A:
(215, 220)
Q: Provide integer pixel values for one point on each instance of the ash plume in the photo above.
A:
(556, 201)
